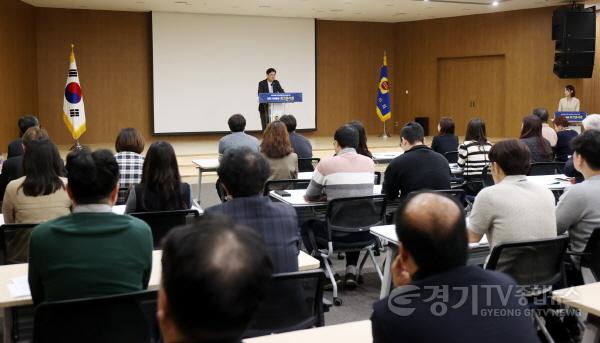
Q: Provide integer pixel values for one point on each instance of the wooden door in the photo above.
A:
(470, 87)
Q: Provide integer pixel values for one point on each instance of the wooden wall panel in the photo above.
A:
(18, 79)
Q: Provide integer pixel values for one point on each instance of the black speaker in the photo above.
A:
(574, 30)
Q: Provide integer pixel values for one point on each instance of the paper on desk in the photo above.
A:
(19, 287)
(483, 241)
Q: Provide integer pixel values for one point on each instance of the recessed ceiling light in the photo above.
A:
(495, 3)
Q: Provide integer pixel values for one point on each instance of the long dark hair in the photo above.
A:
(161, 176)
(476, 131)
(532, 127)
(43, 168)
(362, 148)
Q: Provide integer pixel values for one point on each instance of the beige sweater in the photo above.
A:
(283, 168)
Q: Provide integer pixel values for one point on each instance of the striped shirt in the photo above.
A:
(472, 157)
(130, 171)
(347, 174)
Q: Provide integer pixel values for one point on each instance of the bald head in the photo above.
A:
(431, 227)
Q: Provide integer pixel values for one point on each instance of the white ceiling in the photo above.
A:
(352, 10)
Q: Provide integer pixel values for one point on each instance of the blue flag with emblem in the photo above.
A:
(384, 111)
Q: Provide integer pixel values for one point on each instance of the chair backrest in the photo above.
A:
(547, 168)
(486, 175)
(355, 214)
(285, 184)
(451, 156)
(15, 242)
(307, 164)
(377, 180)
(162, 221)
(118, 318)
(122, 197)
(294, 302)
(536, 262)
(591, 256)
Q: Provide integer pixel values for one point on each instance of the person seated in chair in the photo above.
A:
(214, 276)
(436, 286)
(237, 138)
(15, 148)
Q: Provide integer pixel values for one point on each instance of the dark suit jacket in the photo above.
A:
(12, 169)
(570, 171)
(276, 222)
(15, 148)
(263, 87)
(407, 315)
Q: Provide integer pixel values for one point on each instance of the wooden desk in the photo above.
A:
(585, 298)
(205, 165)
(354, 332)
(8, 272)
(296, 198)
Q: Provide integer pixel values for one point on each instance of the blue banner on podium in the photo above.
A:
(572, 117)
(275, 98)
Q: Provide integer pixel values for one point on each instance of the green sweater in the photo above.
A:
(89, 254)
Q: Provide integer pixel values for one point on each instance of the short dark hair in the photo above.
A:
(43, 168)
(436, 241)
(571, 89)
(446, 126)
(130, 139)
(346, 136)
(587, 145)
(92, 175)
(512, 155)
(541, 113)
(289, 121)
(26, 122)
(271, 70)
(215, 274)
(413, 132)
(243, 172)
(237, 123)
(561, 121)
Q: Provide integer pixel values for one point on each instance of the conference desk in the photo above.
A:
(296, 198)
(386, 156)
(353, 332)
(205, 165)
(585, 298)
(11, 271)
(557, 182)
(478, 252)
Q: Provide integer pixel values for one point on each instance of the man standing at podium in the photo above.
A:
(268, 85)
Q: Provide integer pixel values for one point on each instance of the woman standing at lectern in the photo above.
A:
(569, 103)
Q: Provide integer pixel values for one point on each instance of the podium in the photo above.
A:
(572, 117)
(277, 101)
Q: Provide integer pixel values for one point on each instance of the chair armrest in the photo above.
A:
(574, 253)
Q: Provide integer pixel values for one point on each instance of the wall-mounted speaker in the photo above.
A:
(574, 30)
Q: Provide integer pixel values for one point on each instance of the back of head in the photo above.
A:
(476, 131)
(591, 122)
(446, 126)
(243, 172)
(43, 168)
(346, 136)
(541, 113)
(34, 133)
(160, 174)
(432, 229)
(130, 139)
(26, 122)
(237, 123)
(289, 121)
(276, 141)
(413, 133)
(214, 275)
(532, 127)
(92, 176)
(512, 155)
(561, 121)
(362, 147)
(587, 145)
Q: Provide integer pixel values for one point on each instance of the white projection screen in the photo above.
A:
(207, 67)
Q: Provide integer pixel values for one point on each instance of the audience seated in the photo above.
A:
(446, 140)
(563, 150)
(12, 168)
(161, 188)
(439, 298)
(243, 174)
(361, 148)
(578, 210)
(531, 135)
(591, 122)
(214, 276)
(277, 150)
(237, 138)
(347, 174)
(15, 148)
(513, 209)
(300, 144)
(92, 252)
(473, 155)
(129, 146)
(547, 132)
(418, 168)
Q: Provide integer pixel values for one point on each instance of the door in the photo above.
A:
(472, 87)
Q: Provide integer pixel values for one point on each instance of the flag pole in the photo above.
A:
(77, 145)
(384, 135)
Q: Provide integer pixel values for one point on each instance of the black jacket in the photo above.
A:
(263, 87)
(15, 148)
(12, 169)
(444, 143)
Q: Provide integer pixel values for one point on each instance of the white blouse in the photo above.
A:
(568, 105)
